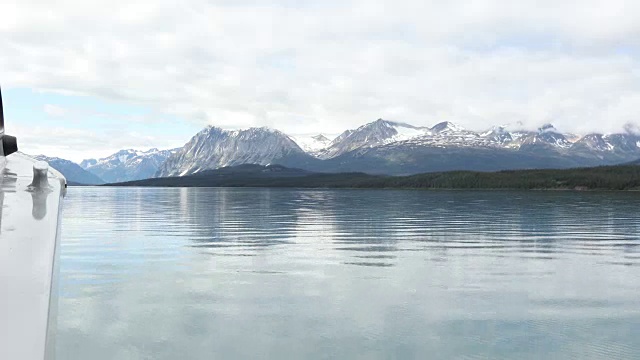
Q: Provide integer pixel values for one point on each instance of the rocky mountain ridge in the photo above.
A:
(390, 147)
(214, 148)
(379, 147)
(127, 165)
(71, 171)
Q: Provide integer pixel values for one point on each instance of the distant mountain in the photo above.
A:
(213, 148)
(71, 171)
(312, 145)
(377, 133)
(409, 158)
(384, 133)
(396, 148)
(127, 165)
(391, 134)
(623, 143)
(378, 148)
(546, 137)
(447, 128)
(594, 142)
(86, 163)
(499, 135)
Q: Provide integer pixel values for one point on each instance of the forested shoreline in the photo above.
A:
(625, 177)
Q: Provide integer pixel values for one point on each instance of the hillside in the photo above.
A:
(213, 148)
(74, 174)
(599, 178)
(255, 176)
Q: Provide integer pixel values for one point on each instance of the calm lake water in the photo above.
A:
(348, 274)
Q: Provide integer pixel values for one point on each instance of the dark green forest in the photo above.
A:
(625, 177)
(604, 178)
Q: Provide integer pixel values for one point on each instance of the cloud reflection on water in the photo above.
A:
(258, 273)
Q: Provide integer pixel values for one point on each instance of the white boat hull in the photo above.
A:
(29, 247)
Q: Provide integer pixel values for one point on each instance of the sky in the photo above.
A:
(84, 79)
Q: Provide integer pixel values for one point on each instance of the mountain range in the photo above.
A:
(127, 165)
(395, 148)
(74, 174)
(213, 148)
(380, 147)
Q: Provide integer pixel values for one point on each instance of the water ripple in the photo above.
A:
(246, 273)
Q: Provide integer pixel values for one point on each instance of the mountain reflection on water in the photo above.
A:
(275, 273)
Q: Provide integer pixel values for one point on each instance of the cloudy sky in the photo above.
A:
(85, 78)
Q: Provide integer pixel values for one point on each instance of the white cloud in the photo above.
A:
(77, 145)
(309, 67)
(54, 110)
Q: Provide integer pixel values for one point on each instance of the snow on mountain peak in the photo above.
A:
(407, 132)
(596, 142)
(321, 138)
(312, 144)
(498, 134)
(127, 164)
(373, 134)
(447, 126)
(216, 148)
(494, 130)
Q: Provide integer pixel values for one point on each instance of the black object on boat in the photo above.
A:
(9, 143)
(1, 115)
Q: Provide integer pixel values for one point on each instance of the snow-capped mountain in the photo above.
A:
(445, 134)
(383, 132)
(213, 148)
(623, 142)
(127, 165)
(391, 147)
(547, 135)
(594, 142)
(450, 135)
(498, 134)
(71, 171)
(380, 147)
(603, 146)
(447, 128)
(312, 144)
(377, 133)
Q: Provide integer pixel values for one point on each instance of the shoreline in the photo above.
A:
(358, 188)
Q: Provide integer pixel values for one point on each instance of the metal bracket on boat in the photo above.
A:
(40, 176)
